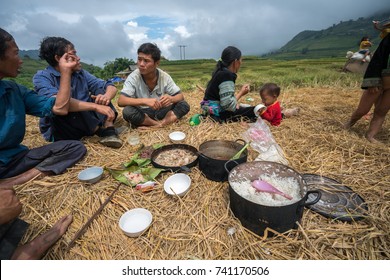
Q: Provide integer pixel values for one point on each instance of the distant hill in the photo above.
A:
(334, 41)
(33, 54)
(32, 65)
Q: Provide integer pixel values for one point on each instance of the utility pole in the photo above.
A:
(182, 53)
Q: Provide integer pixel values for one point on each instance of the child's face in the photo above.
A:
(267, 98)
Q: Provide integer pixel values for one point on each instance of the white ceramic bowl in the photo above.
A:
(178, 183)
(177, 136)
(91, 175)
(135, 221)
(257, 108)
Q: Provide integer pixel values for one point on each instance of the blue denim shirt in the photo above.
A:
(15, 102)
(47, 83)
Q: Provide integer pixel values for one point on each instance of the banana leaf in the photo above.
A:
(137, 159)
(148, 173)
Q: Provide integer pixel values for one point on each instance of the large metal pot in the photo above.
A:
(214, 154)
(257, 217)
(174, 168)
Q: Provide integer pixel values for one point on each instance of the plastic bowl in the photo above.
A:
(177, 136)
(177, 184)
(91, 175)
(257, 108)
(135, 221)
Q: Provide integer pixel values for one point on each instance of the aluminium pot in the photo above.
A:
(214, 154)
(257, 217)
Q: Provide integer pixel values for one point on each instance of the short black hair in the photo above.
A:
(152, 49)
(272, 88)
(5, 37)
(52, 46)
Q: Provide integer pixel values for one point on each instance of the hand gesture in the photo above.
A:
(67, 62)
(245, 89)
(101, 99)
(166, 100)
(153, 103)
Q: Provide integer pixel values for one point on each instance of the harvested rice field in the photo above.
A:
(199, 225)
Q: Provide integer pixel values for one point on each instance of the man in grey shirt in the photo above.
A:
(150, 96)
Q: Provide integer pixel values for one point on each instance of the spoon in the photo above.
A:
(237, 156)
(263, 186)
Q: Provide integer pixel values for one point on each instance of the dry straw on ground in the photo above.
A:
(195, 226)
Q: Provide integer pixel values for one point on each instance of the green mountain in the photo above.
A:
(32, 65)
(334, 41)
(33, 54)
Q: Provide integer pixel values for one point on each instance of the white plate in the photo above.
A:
(135, 221)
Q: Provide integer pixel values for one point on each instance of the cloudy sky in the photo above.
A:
(103, 30)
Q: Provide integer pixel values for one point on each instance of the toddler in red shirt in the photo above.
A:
(272, 112)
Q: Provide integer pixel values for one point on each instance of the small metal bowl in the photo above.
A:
(91, 175)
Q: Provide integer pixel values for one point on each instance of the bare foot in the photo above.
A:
(347, 125)
(288, 113)
(36, 249)
(373, 140)
(151, 127)
(170, 117)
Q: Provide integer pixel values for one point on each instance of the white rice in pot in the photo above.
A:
(288, 185)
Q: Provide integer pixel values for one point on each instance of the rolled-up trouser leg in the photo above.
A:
(180, 109)
(133, 115)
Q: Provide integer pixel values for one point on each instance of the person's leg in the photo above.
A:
(381, 109)
(137, 117)
(366, 101)
(21, 178)
(176, 112)
(53, 158)
(288, 113)
(37, 248)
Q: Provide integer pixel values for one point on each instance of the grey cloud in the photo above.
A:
(254, 26)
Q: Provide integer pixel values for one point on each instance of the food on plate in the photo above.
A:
(175, 157)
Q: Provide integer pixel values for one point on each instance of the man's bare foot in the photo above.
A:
(170, 117)
(151, 127)
(372, 140)
(347, 125)
(37, 248)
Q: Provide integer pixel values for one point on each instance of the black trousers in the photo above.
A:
(55, 157)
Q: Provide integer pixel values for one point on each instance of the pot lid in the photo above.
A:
(337, 201)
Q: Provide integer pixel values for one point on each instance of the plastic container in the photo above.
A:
(195, 120)
(133, 138)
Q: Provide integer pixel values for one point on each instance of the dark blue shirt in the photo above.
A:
(47, 83)
(15, 102)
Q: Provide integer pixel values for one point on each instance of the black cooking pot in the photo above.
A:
(214, 154)
(184, 168)
(257, 217)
